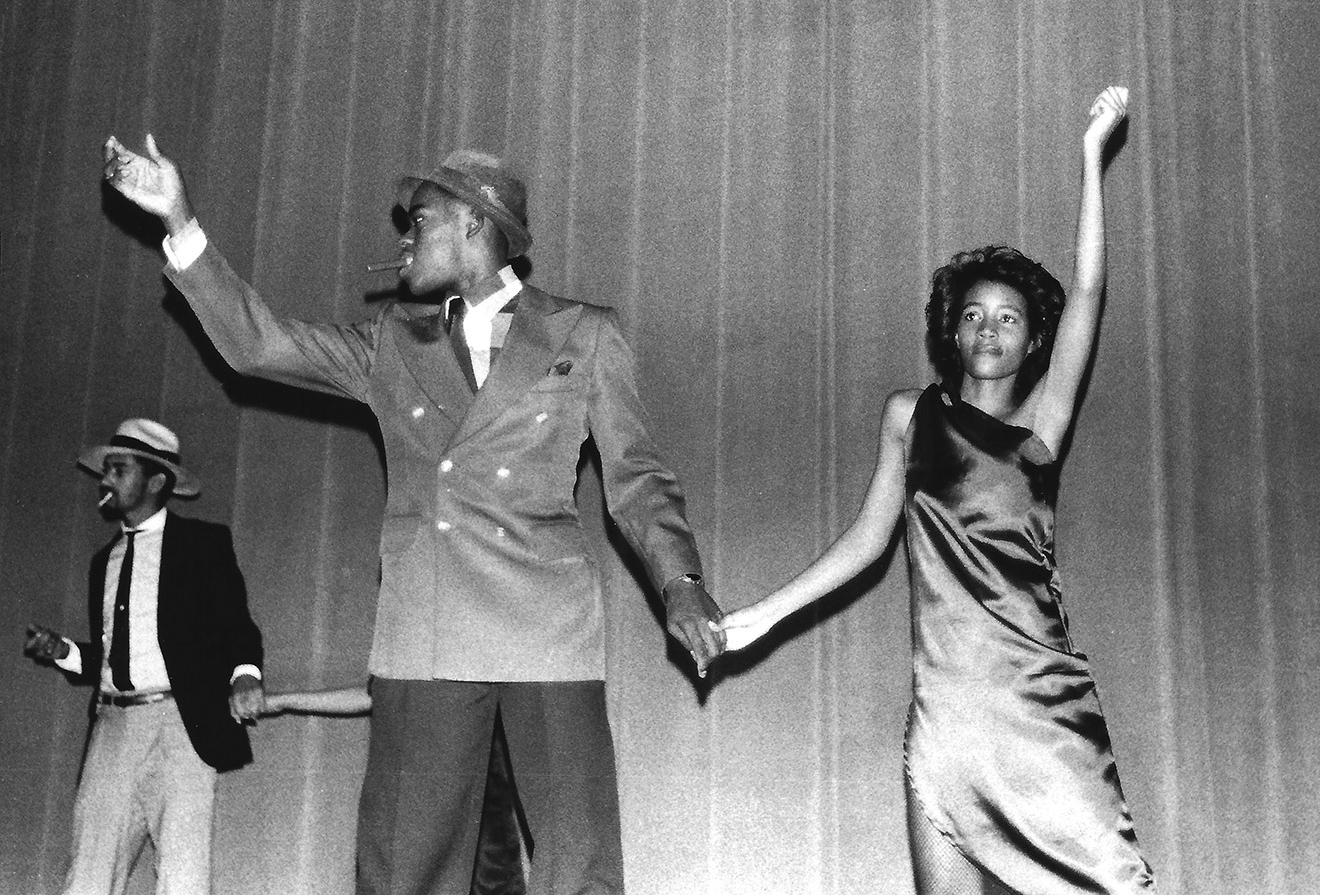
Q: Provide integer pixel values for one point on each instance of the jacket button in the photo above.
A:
(446, 465)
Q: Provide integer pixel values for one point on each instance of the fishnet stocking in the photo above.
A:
(939, 868)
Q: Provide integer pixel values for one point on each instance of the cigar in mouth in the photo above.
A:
(105, 499)
(386, 265)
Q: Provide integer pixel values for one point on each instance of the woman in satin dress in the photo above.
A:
(1011, 783)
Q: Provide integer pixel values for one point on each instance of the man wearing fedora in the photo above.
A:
(177, 663)
(489, 598)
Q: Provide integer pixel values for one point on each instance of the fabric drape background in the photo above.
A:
(763, 190)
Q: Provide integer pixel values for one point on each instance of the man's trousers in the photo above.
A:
(142, 780)
(420, 813)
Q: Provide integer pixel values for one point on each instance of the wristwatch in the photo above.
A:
(690, 578)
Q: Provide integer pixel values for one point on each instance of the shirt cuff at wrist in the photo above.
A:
(251, 670)
(71, 663)
(186, 246)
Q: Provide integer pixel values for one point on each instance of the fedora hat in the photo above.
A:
(151, 441)
(486, 183)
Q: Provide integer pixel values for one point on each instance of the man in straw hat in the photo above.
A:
(177, 661)
(489, 600)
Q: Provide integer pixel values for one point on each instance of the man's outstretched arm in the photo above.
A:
(251, 338)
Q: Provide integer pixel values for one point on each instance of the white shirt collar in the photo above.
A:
(154, 522)
(477, 320)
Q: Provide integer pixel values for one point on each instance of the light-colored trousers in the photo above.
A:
(142, 780)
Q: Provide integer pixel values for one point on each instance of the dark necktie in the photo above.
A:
(457, 338)
(119, 632)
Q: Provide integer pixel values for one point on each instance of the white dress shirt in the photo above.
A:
(484, 327)
(146, 664)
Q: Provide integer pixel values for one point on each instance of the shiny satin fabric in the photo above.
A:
(1007, 751)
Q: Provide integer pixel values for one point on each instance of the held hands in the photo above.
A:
(151, 182)
(44, 644)
(247, 699)
(1108, 110)
(743, 627)
(689, 613)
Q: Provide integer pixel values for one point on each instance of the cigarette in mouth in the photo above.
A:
(386, 265)
(105, 499)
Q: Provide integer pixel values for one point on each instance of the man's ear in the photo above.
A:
(156, 484)
(475, 225)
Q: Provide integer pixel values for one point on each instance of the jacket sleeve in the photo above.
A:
(89, 650)
(89, 658)
(324, 357)
(238, 635)
(643, 496)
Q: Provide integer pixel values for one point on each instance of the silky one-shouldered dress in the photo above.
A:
(1007, 752)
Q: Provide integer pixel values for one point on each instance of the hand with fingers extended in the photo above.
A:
(1107, 112)
(689, 610)
(44, 644)
(152, 182)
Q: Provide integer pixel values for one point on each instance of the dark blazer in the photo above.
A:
(204, 629)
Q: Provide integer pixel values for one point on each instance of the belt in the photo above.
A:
(139, 699)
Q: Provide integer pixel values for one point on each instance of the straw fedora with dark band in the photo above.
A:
(484, 182)
(150, 440)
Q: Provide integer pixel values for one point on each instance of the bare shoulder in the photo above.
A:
(899, 407)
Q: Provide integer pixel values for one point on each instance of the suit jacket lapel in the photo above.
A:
(96, 599)
(173, 561)
(540, 328)
(428, 355)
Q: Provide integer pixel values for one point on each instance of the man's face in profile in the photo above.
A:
(434, 241)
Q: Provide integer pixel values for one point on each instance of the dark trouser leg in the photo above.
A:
(563, 761)
(499, 869)
(426, 771)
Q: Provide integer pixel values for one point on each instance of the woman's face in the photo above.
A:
(993, 335)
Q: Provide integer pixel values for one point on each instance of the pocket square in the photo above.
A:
(560, 369)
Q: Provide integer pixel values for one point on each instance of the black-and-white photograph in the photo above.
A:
(704, 447)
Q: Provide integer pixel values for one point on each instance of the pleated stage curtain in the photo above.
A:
(762, 189)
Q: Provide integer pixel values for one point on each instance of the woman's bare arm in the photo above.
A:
(1052, 405)
(859, 545)
(340, 701)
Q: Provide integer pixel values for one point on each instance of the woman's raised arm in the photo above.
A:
(1052, 403)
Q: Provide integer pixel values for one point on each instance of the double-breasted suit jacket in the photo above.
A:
(203, 627)
(485, 573)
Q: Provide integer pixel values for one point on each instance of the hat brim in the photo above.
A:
(458, 185)
(185, 483)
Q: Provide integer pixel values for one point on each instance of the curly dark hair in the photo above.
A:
(996, 264)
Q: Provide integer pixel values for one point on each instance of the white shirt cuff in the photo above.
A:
(71, 663)
(241, 670)
(186, 246)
